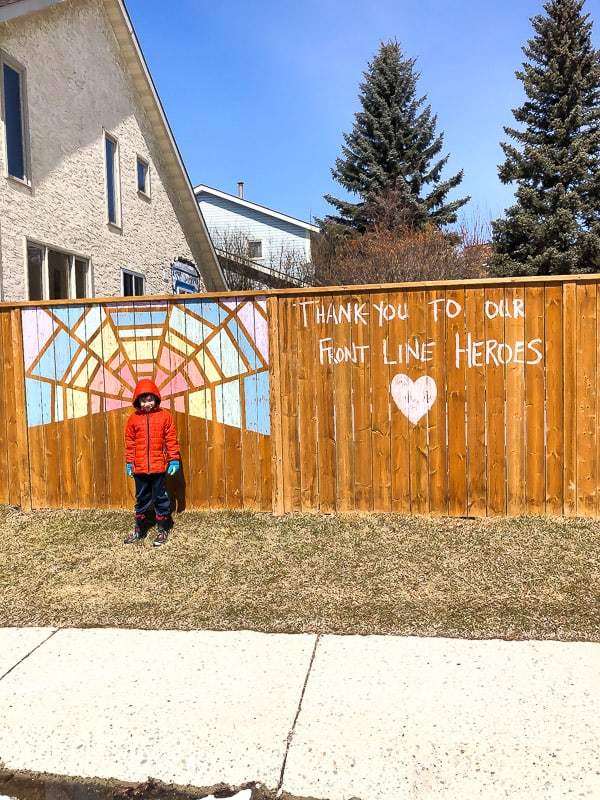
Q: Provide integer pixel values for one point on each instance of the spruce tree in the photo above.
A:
(390, 155)
(554, 225)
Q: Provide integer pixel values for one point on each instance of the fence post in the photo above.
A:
(275, 403)
(18, 439)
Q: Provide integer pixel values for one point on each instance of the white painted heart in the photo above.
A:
(413, 398)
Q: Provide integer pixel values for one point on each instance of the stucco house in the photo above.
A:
(272, 248)
(94, 198)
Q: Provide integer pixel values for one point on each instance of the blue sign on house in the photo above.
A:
(184, 277)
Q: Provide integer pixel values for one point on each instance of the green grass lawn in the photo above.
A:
(512, 578)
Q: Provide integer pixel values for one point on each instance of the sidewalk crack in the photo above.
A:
(290, 735)
(37, 647)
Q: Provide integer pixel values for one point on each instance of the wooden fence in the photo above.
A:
(457, 399)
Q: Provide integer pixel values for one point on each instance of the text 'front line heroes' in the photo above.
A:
(488, 352)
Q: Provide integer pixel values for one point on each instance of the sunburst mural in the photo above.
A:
(209, 358)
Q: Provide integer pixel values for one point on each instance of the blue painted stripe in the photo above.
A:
(138, 318)
(38, 396)
(256, 393)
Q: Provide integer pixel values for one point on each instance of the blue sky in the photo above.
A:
(263, 91)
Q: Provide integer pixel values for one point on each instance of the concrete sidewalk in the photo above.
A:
(376, 718)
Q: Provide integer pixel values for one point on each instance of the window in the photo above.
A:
(133, 283)
(14, 116)
(143, 177)
(254, 248)
(111, 158)
(56, 275)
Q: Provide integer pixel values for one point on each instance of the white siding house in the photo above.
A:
(263, 238)
(94, 197)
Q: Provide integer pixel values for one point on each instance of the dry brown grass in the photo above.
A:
(512, 578)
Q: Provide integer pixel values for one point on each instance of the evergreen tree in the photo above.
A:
(389, 153)
(554, 226)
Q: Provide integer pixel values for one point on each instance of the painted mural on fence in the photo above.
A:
(209, 358)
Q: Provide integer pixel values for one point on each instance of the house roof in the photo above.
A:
(203, 189)
(193, 223)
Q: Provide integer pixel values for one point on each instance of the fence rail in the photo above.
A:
(456, 399)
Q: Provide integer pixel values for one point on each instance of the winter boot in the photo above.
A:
(162, 525)
(139, 532)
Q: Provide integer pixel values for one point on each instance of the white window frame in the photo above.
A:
(134, 276)
(115, 175)
(71, 276)
(26, 155)
(255, 241)
(140, 160)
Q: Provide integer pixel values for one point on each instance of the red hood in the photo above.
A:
(145, 386)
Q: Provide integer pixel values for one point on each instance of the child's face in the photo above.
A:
(147, 402)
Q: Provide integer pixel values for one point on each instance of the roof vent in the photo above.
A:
(241, 190)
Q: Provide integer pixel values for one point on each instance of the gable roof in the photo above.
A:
(203, 189)
(193, 223)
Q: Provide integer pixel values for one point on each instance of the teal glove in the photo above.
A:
(130, 470)
(173, 467)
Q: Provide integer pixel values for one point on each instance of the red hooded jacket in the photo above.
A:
(150, 437)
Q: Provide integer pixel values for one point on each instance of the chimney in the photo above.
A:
(241, 190)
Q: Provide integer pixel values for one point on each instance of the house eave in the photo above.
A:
(202, 188)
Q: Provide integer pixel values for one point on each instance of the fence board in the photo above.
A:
(569, 339)
(276, 449)
(397, 306)
(475, 399)
(419, 484)
(535, 456)
(436, 370)
(193, 440)
(456, 401)
(342, 398)
(587, 383)
(381, 450)
(213, 360)
(513, 352)
(289, 357)
(9, 488)
(326, 412)
(360, 375)
(554, 431)
(495, 404)
(307, 410)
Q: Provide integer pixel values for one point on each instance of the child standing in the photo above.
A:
(151, 451)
